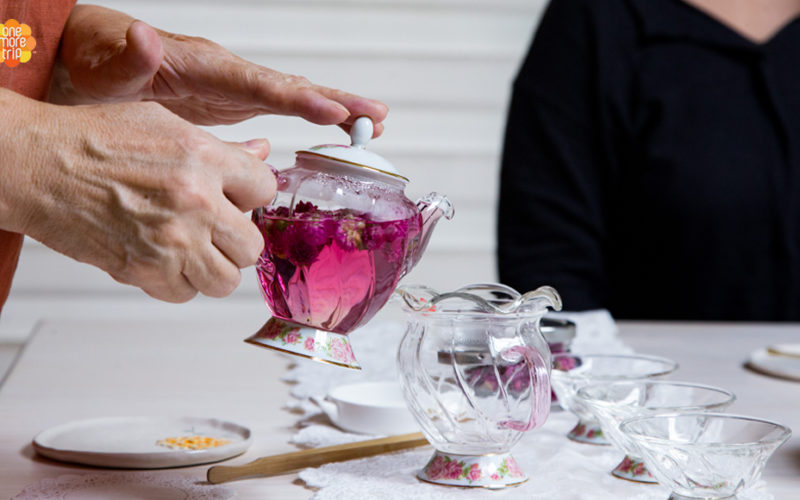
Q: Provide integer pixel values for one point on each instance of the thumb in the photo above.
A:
(130, 71)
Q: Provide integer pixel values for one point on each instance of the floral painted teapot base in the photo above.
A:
(319, 345)
(496, 470)
(633, 469)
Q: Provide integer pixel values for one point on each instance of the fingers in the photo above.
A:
(235, 243)
(212, 273)
(208, 267)
(294, 95)
(247, 181)
(177, 291)
(212, 259)
(236, 237)
(356, 105)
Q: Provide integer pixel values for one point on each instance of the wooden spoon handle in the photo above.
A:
(288, 462)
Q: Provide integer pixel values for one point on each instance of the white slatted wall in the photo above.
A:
(444, 67)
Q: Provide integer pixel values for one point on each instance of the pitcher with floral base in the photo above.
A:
(475, 371)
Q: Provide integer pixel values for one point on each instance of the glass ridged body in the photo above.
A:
(475, 375)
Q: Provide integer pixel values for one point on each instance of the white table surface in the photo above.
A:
(82, 369)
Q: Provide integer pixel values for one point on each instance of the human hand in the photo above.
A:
(110, 58)
(138, 192)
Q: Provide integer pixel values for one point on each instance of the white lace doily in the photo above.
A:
(556, 466)
(124, 486)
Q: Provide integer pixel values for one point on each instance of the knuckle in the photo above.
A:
(205, 43)
(197, 145)
(187, 191)
(263, 188)
(300, 80)
(171, 237)
(225, 284)
(182, 295)
(254, 246)
(158, 273)
(173, 294)
(133, 270)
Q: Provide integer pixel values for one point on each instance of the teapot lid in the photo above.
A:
(356, 153)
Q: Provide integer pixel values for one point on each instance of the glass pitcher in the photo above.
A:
(475, 371)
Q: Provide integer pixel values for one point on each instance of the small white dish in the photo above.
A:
(767, 362)
(369, 408)
(131, 442)
(791, 350)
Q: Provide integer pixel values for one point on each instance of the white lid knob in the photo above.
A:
(356, 154)
(361, 132)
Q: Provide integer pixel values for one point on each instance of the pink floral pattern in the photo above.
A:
(633, 468)
(474, 473)
(588, 432)
(274, 329)
(512, 467)
(302, 340)
(467, 470)
(340, 350)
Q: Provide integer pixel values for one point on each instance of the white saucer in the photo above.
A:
(130, 442)
(792, 350)
(765, 361)
(369, 408)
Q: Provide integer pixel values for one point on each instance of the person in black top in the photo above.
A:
(651, 162)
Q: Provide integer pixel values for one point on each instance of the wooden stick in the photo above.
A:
(288, 462)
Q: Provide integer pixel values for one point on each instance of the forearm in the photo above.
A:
(23, 141)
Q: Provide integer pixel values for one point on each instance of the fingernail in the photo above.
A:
(341, 107)
(253, 143)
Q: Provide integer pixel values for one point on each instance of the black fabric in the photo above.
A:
(651, 164)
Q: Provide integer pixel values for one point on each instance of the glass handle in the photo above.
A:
(540, 388)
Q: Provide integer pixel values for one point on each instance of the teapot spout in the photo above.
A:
(431, 207)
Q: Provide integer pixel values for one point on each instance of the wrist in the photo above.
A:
(30, 139)
(15, 142)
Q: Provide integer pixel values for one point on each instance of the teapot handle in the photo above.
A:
(540, 388)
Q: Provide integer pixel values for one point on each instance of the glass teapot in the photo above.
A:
(475, 371)
(338, 236)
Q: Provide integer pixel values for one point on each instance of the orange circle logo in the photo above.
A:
(16, 43)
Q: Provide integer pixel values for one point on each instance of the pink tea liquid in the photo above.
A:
(331, 270)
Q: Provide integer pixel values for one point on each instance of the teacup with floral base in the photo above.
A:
(703, 455)
(611, 403)
(573, 371)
